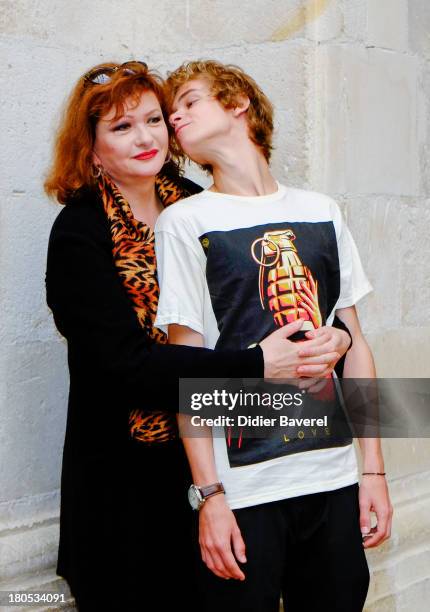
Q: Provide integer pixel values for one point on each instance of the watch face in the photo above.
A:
(194, 497)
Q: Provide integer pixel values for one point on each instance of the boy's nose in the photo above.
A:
(174, 118)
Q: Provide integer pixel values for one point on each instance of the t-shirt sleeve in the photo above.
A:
(182, 281)
(354, 284)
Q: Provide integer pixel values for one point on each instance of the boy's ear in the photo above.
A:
(241, 105)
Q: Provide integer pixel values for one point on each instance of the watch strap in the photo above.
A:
(212, 489)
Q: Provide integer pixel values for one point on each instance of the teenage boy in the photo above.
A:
(236, 261)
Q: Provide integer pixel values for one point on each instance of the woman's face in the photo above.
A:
(135, 145)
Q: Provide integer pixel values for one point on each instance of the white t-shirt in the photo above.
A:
(230, 268)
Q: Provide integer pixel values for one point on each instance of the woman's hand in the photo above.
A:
(324, 341)
(282, 358)
(220, 539)
(374, 497)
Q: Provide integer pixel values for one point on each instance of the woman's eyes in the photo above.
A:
(121, 127)
(189, 103)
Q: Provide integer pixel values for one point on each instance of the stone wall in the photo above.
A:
(350, 80)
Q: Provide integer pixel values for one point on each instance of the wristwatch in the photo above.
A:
(198, 495)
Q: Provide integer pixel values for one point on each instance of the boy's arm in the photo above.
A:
(374, 494)
(219, 534)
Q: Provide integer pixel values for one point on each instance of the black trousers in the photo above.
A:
(308, 548)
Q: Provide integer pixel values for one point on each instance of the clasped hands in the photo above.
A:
(313, 358)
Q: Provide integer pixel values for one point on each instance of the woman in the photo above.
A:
(125, 518)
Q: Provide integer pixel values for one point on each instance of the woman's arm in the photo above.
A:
(374, 494)
(106, 343)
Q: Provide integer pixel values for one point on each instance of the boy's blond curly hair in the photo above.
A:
(227, 83)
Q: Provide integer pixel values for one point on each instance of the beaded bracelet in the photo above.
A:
(373, 473)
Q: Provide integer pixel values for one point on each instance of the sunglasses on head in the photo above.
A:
(103, 75)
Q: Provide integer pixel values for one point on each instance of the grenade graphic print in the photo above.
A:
(285, 284)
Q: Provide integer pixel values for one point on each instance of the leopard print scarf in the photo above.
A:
(134, 256)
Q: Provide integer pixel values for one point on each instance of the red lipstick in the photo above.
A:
(147, 154)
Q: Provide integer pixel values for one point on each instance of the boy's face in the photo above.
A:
(199, 120)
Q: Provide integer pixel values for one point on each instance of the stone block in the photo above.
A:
(22, 513)
(424, 126)
(419, 27)
(387, 24)
(33, 86)
(26, 223)
(414, 596)
(289, 162)
(376, 225)
(407, 462)
(324, 20)
(365, 132)
(224, 23)
(33, 418)
(104, 26)
(415, 268)
(402, 352)
(354, 19)
(28, 551)
(400, 577)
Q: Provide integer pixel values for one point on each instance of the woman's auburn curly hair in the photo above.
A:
(72, 165)
(227, 83)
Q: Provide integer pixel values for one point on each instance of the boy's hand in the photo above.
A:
(220, 539)
(282, 357)
(323, 342)
(374, 497)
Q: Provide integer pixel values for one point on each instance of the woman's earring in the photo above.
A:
(168, 158)
(97, 171)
